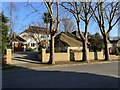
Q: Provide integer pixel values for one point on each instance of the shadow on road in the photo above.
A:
(30, 57)
(27, 78)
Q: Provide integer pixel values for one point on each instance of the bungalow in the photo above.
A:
(78, 36)
(65, 40)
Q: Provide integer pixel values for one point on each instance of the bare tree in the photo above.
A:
(106, 17)
(68, 25)
(13, 15)
(35, 10)
(80, 11)
(53, 27)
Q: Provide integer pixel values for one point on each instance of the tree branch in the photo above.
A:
(70, 10)
(34, 8)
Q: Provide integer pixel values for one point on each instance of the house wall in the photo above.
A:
(18, 46)
(77, 56)
(30, 40)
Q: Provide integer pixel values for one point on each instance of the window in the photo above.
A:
(43, 36)
(32, 44)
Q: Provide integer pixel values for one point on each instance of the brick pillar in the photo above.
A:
(24, 47)
(43, 53)
(102, 54)
(68, 53)
(88, 54)
(9, 56)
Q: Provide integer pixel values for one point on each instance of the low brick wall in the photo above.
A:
(61, 56)
(77, 56)
(91, 56)
(100, 55)
(57, 56)
(45, 58)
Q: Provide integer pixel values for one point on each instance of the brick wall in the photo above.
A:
(67, 56)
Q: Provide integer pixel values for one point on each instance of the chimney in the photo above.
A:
(30, 26)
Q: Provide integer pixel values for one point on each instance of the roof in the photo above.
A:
(36, 29)
(19, 39)
(68, 39)
(114, 41)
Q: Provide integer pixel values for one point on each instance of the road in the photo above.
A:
(71, 76)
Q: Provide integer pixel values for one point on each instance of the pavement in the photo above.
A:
(103, 75)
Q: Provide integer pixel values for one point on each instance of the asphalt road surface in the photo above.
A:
(72, 76)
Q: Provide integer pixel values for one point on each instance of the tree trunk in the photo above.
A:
(47, 32)
(47, 28)
(95, 55)
(106, 51)
(85, 54)
(84, 51)
(51, 60)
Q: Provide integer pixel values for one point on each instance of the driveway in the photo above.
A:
(72, 76)
(25, 58)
